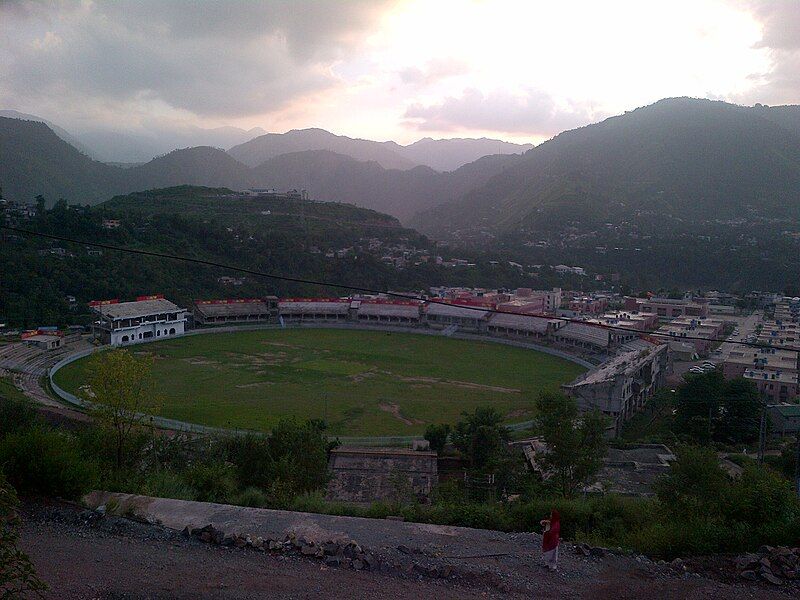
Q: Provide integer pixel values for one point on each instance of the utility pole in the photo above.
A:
(797, 464)
(762, 435)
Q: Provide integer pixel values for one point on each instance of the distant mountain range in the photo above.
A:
(254, 146)
(440, 155)
(683, 159)
(34, 160)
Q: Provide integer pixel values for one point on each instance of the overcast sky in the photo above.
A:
(519, 70)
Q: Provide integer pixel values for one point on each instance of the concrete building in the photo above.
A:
(44, 341)
(628, 320)
(234, 311)
(621, 386)
(668, 308)
(441, 316)
(785, 419)
(743, 358)
(587, 305)
(589, 338)
(389, 312)
(522, 326)
(315, 310)
(147, 318)
(365, 475)
(776, 387)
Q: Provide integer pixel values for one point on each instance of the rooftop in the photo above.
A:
(233, 308)
(451, 310)
(138, 308)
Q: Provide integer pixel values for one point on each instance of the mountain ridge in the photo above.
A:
(679, 155)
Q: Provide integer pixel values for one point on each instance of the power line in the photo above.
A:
(365, 290)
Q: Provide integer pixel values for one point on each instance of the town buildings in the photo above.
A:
(669, 308)
(774, 364)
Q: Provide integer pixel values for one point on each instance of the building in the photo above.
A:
(785, 419)
(234, 311)
(389, 312)
(633, 320)
(700, 333)
(44, 342)
(588, 305)
(366, 475)
(532, 305)
(468, 318)
(622, 385)
(521, 326)
(588, 338)
(314, 310)
(668, 308)
(743, 358)
(775, 386)
(147, 318)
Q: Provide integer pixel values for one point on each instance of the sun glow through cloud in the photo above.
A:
(518, 69)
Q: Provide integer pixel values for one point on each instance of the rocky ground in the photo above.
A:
(82, 554)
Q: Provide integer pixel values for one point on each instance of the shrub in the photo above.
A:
(167, 484)
(16, 411)
(437, 434)
(212, 482)
(251, 496)
(17, 576)
(42, 461)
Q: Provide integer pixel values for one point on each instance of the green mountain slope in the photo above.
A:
(679, 158)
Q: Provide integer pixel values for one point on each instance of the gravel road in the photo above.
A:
(82, 556)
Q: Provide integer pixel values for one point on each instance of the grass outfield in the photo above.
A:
(361, 382)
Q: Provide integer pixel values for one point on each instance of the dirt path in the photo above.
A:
(82, 556)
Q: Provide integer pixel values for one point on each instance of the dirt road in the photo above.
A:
(83, 557)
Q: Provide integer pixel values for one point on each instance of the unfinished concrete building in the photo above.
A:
(621, 386)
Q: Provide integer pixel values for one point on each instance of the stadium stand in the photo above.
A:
(215, 312)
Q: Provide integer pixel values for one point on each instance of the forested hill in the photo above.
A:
(34, 160)
(678, 159)
(331, 242)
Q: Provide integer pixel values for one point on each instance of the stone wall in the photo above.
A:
(370, 474)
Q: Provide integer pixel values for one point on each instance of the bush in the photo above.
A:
(42, 461)
(167, 484)
(252, 497)
(17, 576)
(212, 482)
(16, 411)
(437, 434)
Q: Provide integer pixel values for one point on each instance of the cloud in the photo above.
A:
(434, 71)
(531, 112)
(215, 59)
(780, 22)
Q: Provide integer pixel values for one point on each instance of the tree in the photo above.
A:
(436, 434)
(120, 384)
(709, 408)
(575, 442)
(480, 436)
(695, 483)
(741, 412)
(292, 460)
(17, 576)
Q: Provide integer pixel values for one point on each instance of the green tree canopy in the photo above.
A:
(575, 442)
